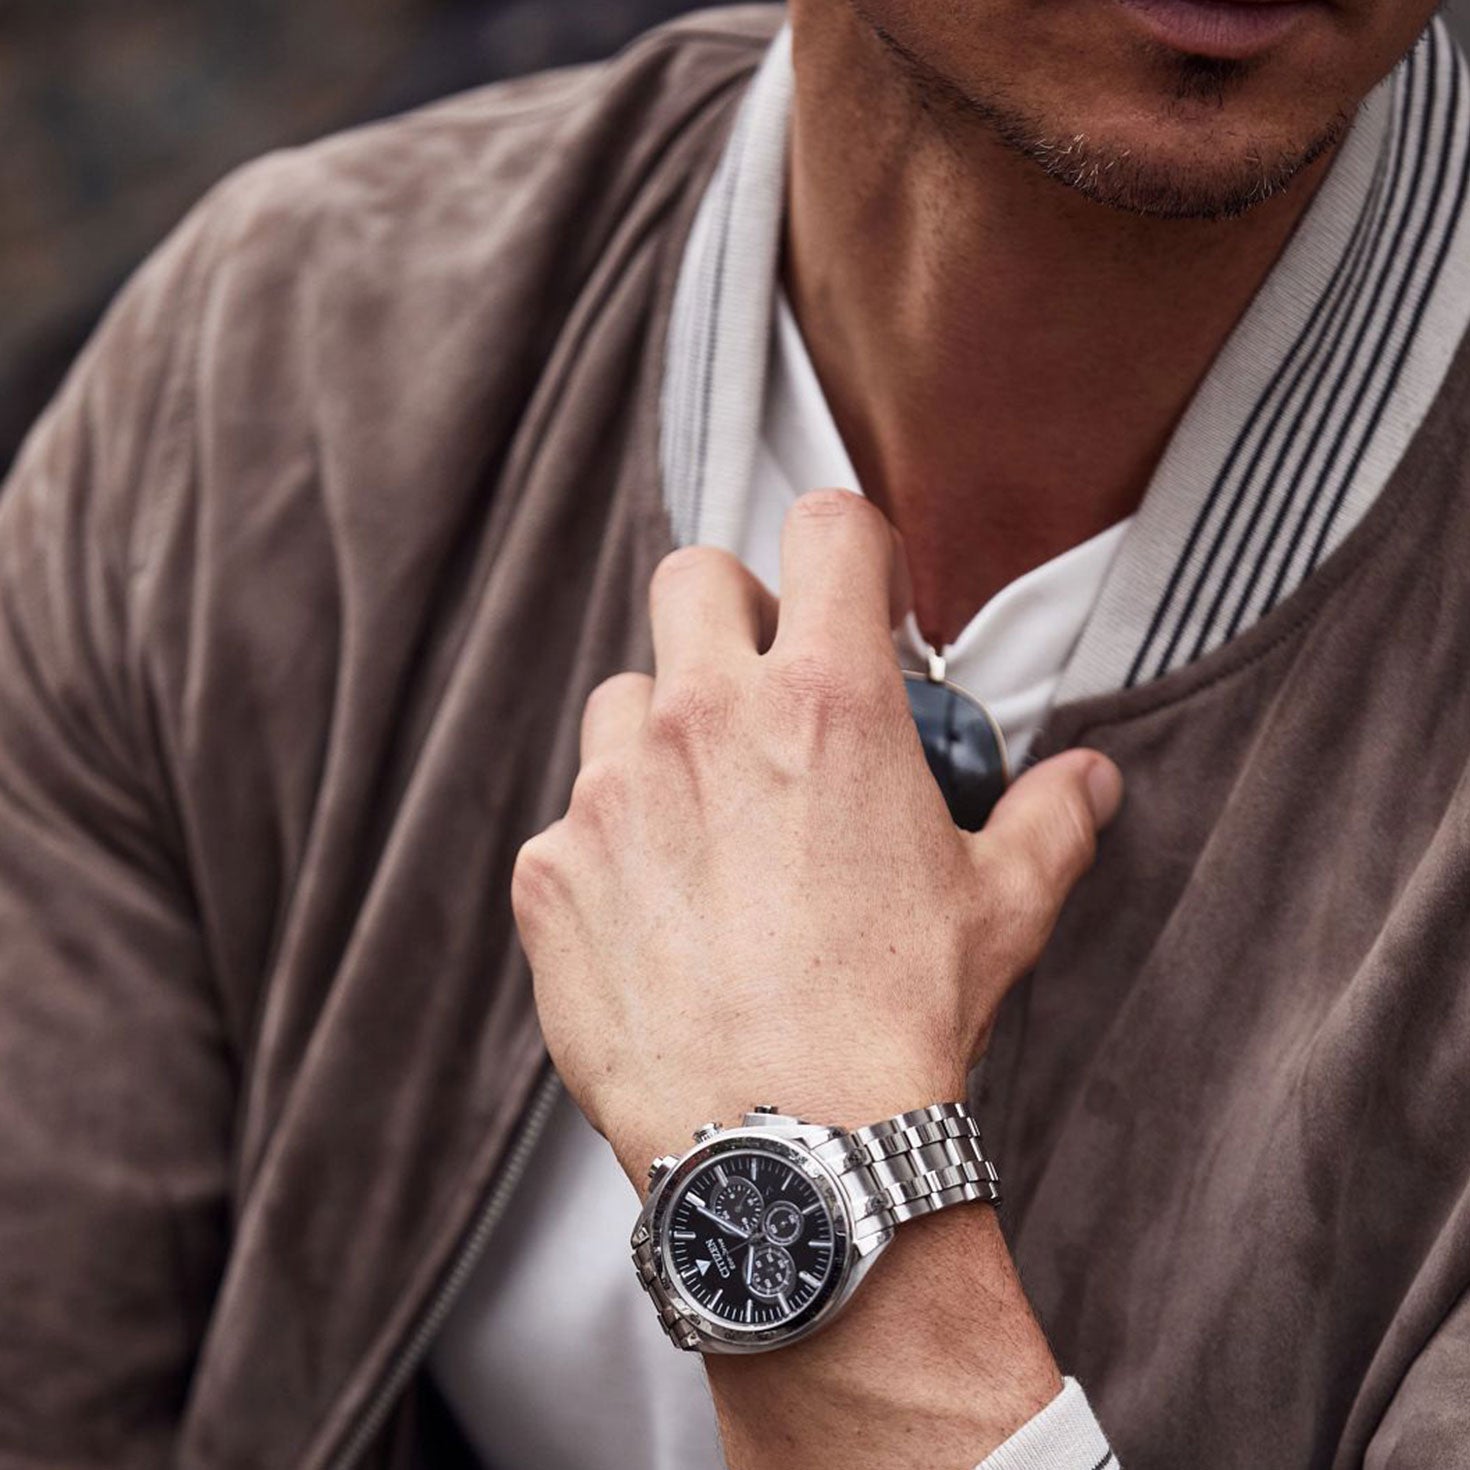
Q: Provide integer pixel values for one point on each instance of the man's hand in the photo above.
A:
(757, 894)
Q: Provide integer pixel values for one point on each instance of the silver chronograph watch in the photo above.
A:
(761, 1233)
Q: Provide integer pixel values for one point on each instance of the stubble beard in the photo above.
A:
(1120, 177)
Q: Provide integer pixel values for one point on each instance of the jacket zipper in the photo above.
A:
(412, 1353)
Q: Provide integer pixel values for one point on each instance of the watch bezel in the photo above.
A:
(714, 1331)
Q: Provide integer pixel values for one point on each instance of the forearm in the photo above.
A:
(937, 1361)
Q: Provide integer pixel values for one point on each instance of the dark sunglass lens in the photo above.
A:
(963, 748)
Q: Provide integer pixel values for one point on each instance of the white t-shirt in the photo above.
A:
(552, 1357)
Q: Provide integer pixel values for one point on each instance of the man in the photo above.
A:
(1141, 324)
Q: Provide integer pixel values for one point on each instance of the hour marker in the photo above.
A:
(753, 1163)
(714, 1301)
(694, 1200)
(719, 1173)
(785, 1302)
(809, 1278)
(810, 1208)
(749, 1310)
(820, 1244)
(702, 1266)
(685, 1235)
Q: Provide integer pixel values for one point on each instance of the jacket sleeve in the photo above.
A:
(1427, 1424)
(116, 1079)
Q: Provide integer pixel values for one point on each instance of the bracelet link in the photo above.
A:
(912, 1165)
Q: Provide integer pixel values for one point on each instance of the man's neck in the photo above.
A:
(1005, 359)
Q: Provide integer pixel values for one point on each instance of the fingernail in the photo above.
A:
(1104, 790)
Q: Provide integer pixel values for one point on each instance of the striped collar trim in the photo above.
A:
(720, 328)
(1295, 430)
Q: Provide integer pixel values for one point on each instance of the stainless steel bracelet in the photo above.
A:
(674, 1323)
(911, 1165)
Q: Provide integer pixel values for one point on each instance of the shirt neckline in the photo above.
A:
(1296, 429)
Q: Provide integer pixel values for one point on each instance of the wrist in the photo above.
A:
(938, 1360)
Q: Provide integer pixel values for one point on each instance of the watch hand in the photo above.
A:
(724, 1225)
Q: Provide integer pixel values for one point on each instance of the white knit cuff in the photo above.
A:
(1065, 1435)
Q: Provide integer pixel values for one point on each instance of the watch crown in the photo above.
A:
(659, 1167)
(764, 1108)
(705, 1132)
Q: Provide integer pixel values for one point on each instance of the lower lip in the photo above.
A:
(1233, 30)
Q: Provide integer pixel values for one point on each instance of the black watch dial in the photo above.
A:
(750, 1239)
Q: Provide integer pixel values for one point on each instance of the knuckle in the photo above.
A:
(1022, 911)
(616, 685)
(1072, 837)
(684, 562)
(692, 711)
(814, 685)
(614, 690)
(1030, 897)
(601, 794)
(1030, 879)
(537, 880)
(816, 693)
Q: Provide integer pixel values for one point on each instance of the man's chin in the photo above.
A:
(1195, 178)
(1155, 132)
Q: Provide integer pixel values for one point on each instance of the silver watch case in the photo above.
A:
(861, 1229)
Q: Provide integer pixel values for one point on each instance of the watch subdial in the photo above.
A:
(770, 1272)
(783, 1222)
(739, 1203)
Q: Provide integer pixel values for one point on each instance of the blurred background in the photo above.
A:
(115, 115)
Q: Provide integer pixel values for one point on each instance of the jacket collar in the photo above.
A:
(1295, 431)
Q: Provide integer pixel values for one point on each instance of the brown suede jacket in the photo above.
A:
(303, 580)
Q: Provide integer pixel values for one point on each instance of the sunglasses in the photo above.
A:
(963, 744)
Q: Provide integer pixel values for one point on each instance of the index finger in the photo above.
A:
(842, 574)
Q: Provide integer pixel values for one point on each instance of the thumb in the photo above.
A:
(1044, 829)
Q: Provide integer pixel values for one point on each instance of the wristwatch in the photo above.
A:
(762, 1233)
